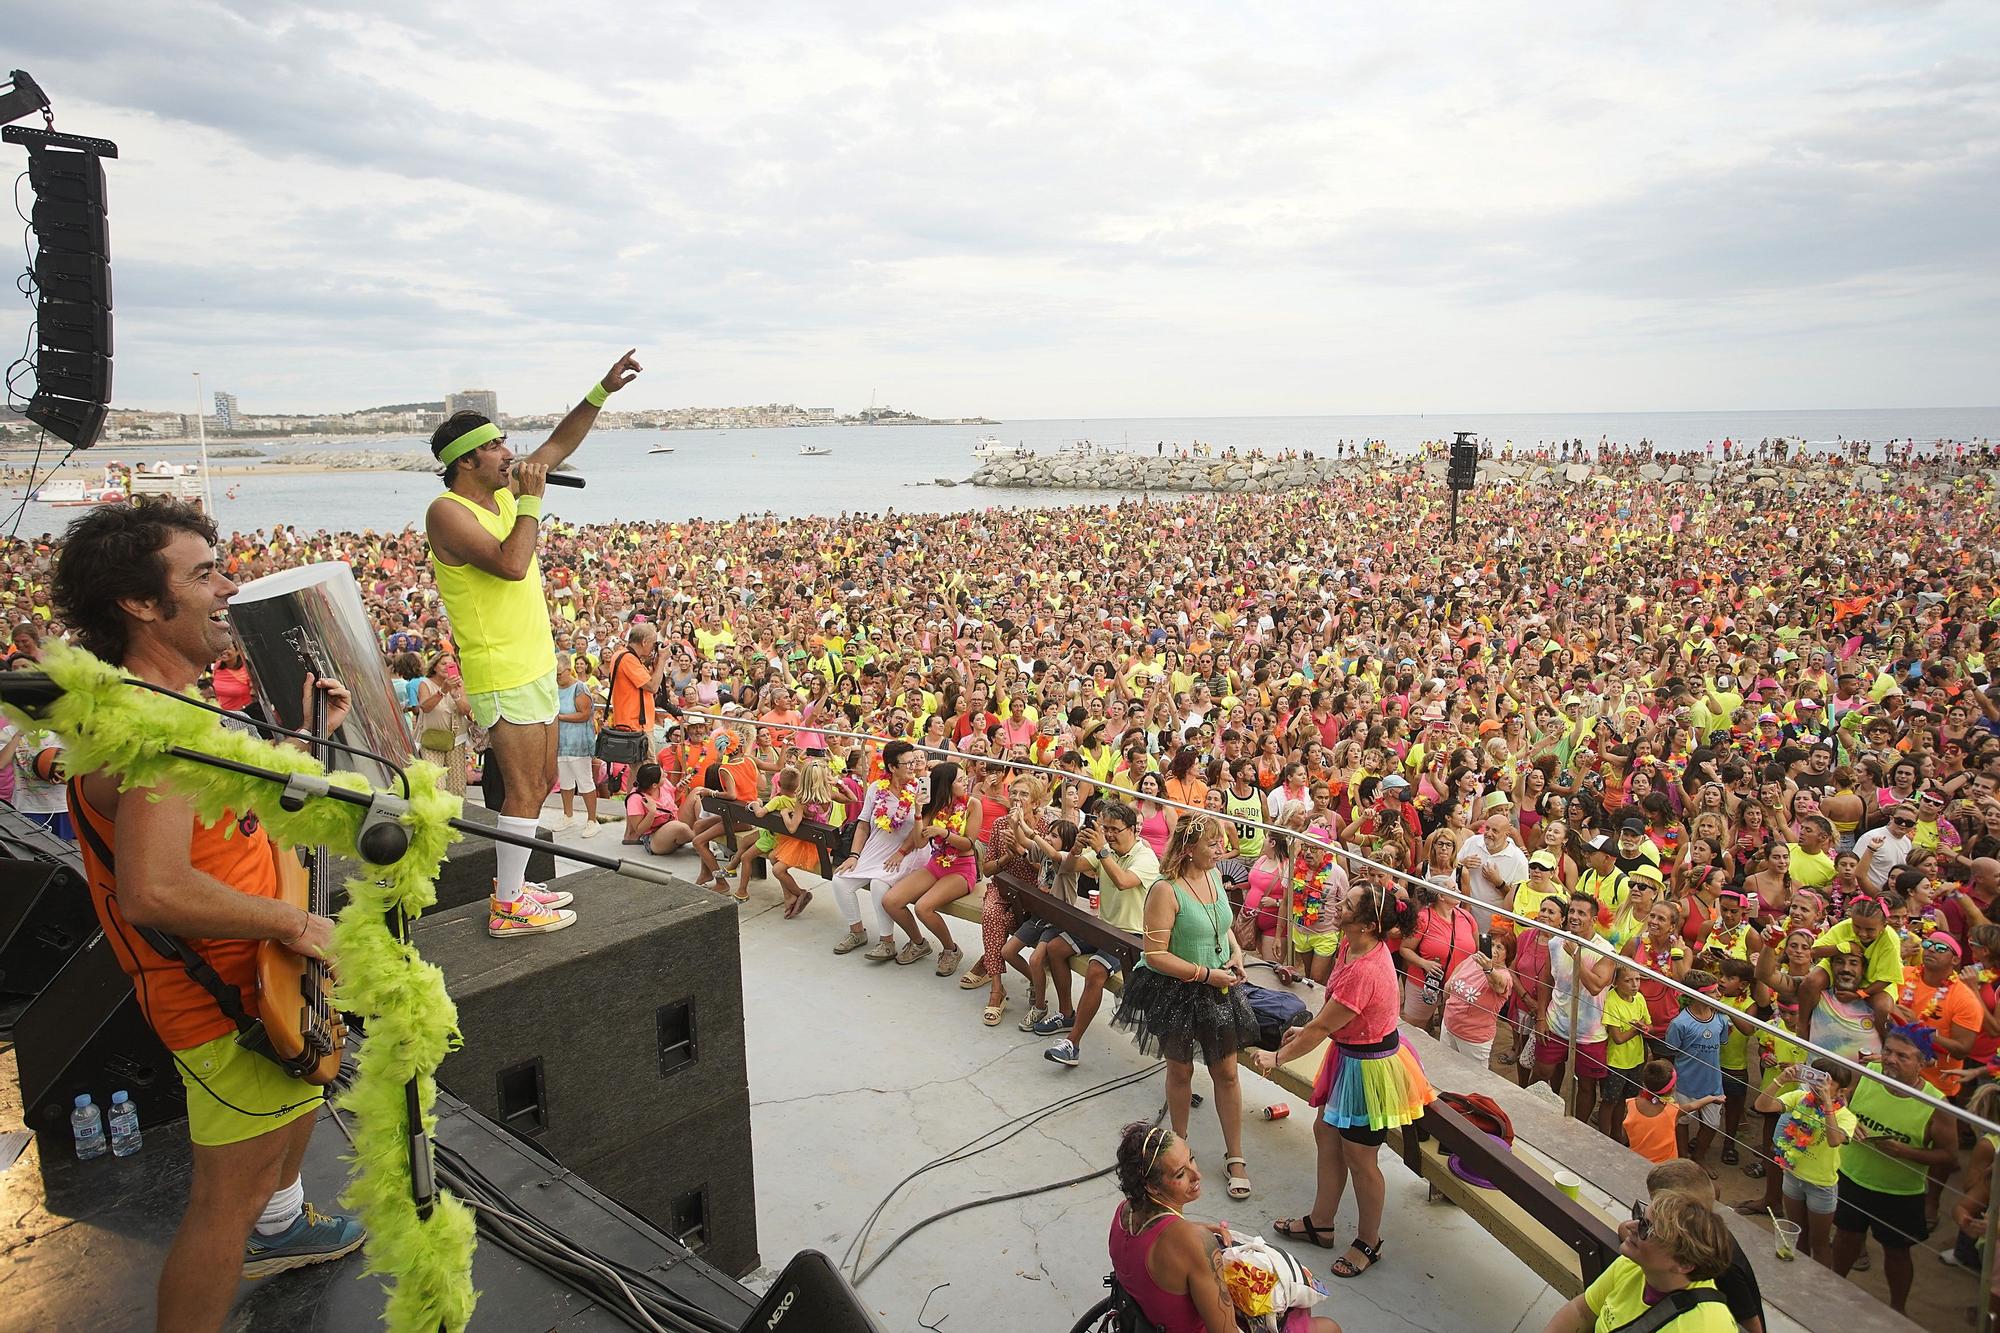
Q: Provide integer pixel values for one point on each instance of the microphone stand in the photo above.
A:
(300, 788)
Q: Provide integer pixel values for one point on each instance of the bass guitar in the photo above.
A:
(295, 993)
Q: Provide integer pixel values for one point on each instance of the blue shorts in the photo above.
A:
(1818, 1199)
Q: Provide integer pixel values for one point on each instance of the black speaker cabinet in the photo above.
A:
(45, 912)
(84, 1033)
(617, 1045)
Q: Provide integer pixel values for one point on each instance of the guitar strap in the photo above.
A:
(250, 1034)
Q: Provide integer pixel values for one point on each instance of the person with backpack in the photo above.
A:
(1669, 1255)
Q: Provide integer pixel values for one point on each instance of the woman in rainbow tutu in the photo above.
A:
(1370, 1081)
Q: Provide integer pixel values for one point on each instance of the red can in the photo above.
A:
(1093, 900)
(1279, 1112)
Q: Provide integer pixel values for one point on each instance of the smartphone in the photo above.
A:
(1813, 1078)
(924, 789)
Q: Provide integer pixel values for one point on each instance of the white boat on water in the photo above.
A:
(814, 451)
(989, 446)
(661, 449)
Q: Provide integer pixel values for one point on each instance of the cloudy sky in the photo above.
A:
(1048, 209)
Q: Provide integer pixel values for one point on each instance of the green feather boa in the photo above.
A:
(412, 1023)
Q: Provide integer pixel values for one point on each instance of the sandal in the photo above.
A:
(974, 978)
(1755, 1170)
(990, 1016)
(1344, 1267)
(1239, 1185)
(1302, 1229)
(1729, 1157)
(1753, 1208)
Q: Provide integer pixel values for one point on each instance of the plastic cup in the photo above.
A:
(1788, 1239)
(1569, 1183)
(1093, 900)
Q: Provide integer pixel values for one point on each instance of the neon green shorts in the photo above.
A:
(526, 705)
(234, 1094)
(1326, 946)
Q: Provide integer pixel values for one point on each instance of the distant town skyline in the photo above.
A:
(1048, 210)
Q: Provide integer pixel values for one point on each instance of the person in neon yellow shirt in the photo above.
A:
(1677, 1243)
(483, 533)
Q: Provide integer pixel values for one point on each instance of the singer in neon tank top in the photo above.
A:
(483, 532)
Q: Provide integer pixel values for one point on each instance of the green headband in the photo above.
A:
(469, 441)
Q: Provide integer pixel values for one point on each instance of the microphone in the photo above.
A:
(569, 479)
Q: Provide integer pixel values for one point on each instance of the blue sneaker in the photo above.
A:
(1063, 1053)
(1053, 1024)
(312, 1238)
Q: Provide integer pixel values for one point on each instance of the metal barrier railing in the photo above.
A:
(1937, 1104)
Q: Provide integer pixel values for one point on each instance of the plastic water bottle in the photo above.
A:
(125, 1137)
(86, 1122)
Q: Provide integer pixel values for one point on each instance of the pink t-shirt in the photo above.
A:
(1471, 1005)
(1367, 985)
(652, 814)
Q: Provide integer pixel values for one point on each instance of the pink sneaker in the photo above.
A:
(523, 917)
(544, 897)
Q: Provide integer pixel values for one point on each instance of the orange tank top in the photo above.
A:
(1652, 1136)
(235, 851)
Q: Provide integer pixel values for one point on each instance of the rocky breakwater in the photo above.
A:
(1146, 472)
(356, 460)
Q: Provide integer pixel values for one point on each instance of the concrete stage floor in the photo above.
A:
(862, 1072)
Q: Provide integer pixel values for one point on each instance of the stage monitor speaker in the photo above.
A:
(45, 911)
(616, 1045)
(72, 276)
(84, 1033)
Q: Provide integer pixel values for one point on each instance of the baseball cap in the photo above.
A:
(1633, 826)
(1809, 703)
(1600, 843)
(1767, 717)
(1542, 860)
(1394, 782)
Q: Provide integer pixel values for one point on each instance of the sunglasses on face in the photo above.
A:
(1904, 823)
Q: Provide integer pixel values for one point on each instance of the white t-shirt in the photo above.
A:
(884, 843)
(1894, 852)
(1509, 865)
(1562, 979)
(32, 796)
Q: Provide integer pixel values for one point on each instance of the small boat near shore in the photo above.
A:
(814, 451)
(989, 446)
(661, 449)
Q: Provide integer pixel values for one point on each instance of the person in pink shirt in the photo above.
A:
(1473, 998)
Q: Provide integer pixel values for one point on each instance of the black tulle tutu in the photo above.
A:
(1176, 1019)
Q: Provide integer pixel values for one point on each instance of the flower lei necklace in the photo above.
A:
(892, 808)
(952, 821)
(1799, 1129)
(1310, 901)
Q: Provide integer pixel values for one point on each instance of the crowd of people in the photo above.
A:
(1744, 737)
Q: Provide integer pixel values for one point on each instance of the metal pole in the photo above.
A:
(201, 438)
(1452, 534)
(1984, 1320)
(1575, 1002)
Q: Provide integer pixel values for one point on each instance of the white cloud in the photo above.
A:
(1049, 210)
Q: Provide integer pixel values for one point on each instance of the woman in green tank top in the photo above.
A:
(1187, 993)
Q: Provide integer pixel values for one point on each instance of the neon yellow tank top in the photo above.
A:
(501, 626)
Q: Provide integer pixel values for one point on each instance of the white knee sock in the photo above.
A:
(283, 1209)
(510, 863)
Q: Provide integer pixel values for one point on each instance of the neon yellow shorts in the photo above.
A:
(524, 704)
(1326, 946)
(234, 1094)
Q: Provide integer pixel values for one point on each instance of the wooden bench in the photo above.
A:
(1080, 923)
(737, 815)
